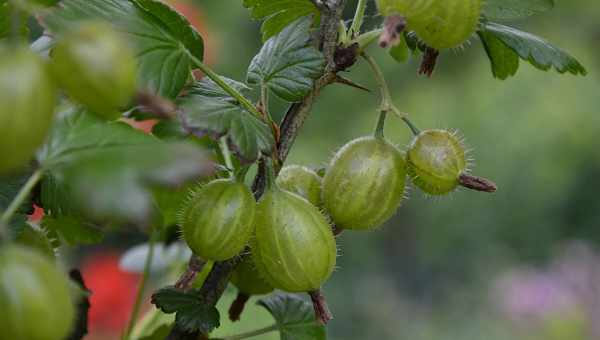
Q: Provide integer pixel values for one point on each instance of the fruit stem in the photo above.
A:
(237, 306)
(223, 145)
(250, 334)
(222, 84)
(142, 286)
(195, 265)
(380, 125)
(411, 126)
(18, 201)
(269, 174)
(358, 18)
(322, 312)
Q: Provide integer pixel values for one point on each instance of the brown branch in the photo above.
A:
(294, 119)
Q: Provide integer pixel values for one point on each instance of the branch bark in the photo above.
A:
(331, 14)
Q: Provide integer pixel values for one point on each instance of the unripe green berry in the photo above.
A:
(248, 280)
(294, 249)
(96, 67)
(35, 297)
(436, 159)
(217, 221)
(364, 184)
(302, 181)
(27, 100)
(439, 23)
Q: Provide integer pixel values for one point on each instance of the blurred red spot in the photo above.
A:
(37, 214)
(113, 292)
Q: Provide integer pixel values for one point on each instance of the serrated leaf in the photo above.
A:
(72, 230)
(192, 314)
(287, 63)
(35, 239)
(280, 13)
(295, 317)
(106, 171)
(164, 41)
(208, 110)
(537, 51)
(514, 9)
(504, 61)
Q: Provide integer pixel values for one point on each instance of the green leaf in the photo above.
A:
(208, 110)
(106, 171)
(72, 230)
(192, 313)
(7, 11)
(9, 188)
(514, 9)
(163, 39)
(400, 52)
(504, 61)
(36, 239)
(295, 317)
(287, 63)
(280, 13)
(529, 47)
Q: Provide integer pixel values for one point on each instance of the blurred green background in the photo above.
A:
(468, 266)
(429, 273)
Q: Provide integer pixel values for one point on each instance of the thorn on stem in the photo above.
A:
(345, 81)
(477, 183)
(322, 313)
(237, 306)
(429, 61)
(392, 27)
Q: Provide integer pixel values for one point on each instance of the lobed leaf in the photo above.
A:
(280, 13)
(295, 317)
(287, 63)
(192, 314)
(207, 110)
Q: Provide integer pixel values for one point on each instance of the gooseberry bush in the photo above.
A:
(73, 72)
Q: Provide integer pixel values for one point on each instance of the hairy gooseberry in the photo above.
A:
(34, 295)
(217, 221)
(96, 67)
(436, 159)
(302, 181)
(294, 249)
(439, 23)
(27, 97)
(364, 184)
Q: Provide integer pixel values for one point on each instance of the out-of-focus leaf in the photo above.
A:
(295, 317)
(72, 230)
(106, 171)
(515, 9)
(280, 13)
(287, 63)
(400, 52)
(164, 41)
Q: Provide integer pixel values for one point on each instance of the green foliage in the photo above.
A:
(74, 231)
(192, 313)
(503, 43)
(164, 42)
(514, 9)
(294, 317)
(95, 161)
(9, 187)
(277, 14)
(287, 64)
(207, 109)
